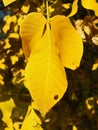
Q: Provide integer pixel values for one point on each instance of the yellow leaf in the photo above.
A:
(90, 4)
(7, 44)
(95, 65)
(16, 28)
(66, 6)
(51, 9)
(68, 41)
(6, 17)
(20, 20)
(32, 27)
(1, 80)
(74, 127)
(14, 59)
(44, 67)
(31, 121)
(6, 28)
(88, 100)
(48, 45)
(25, 8)
(74, 8)
(9, 20)
(13, 35)
(20, 53)
(2, 64)
(7, 2)
(12, 19)
(6, 108)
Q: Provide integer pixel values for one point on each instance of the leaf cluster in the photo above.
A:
(81, 95)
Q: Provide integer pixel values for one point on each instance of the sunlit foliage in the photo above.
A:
(67, 20)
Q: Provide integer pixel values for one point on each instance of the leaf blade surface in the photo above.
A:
(31, 28)
(44, 67)
(68, 40)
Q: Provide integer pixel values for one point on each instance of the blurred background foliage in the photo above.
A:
(78, 109)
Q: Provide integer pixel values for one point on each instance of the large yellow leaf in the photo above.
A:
(91, 4)
(49, 46)
(45, 75)
(31, 28)
(68, 41)
(7, 2)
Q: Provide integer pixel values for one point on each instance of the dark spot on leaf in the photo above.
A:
(56, 97)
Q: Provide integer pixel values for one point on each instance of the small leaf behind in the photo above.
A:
(31, 28)
(68, 41)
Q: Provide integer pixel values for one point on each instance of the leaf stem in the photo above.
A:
(47, 11)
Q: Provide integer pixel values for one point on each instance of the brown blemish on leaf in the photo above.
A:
(56, 97)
